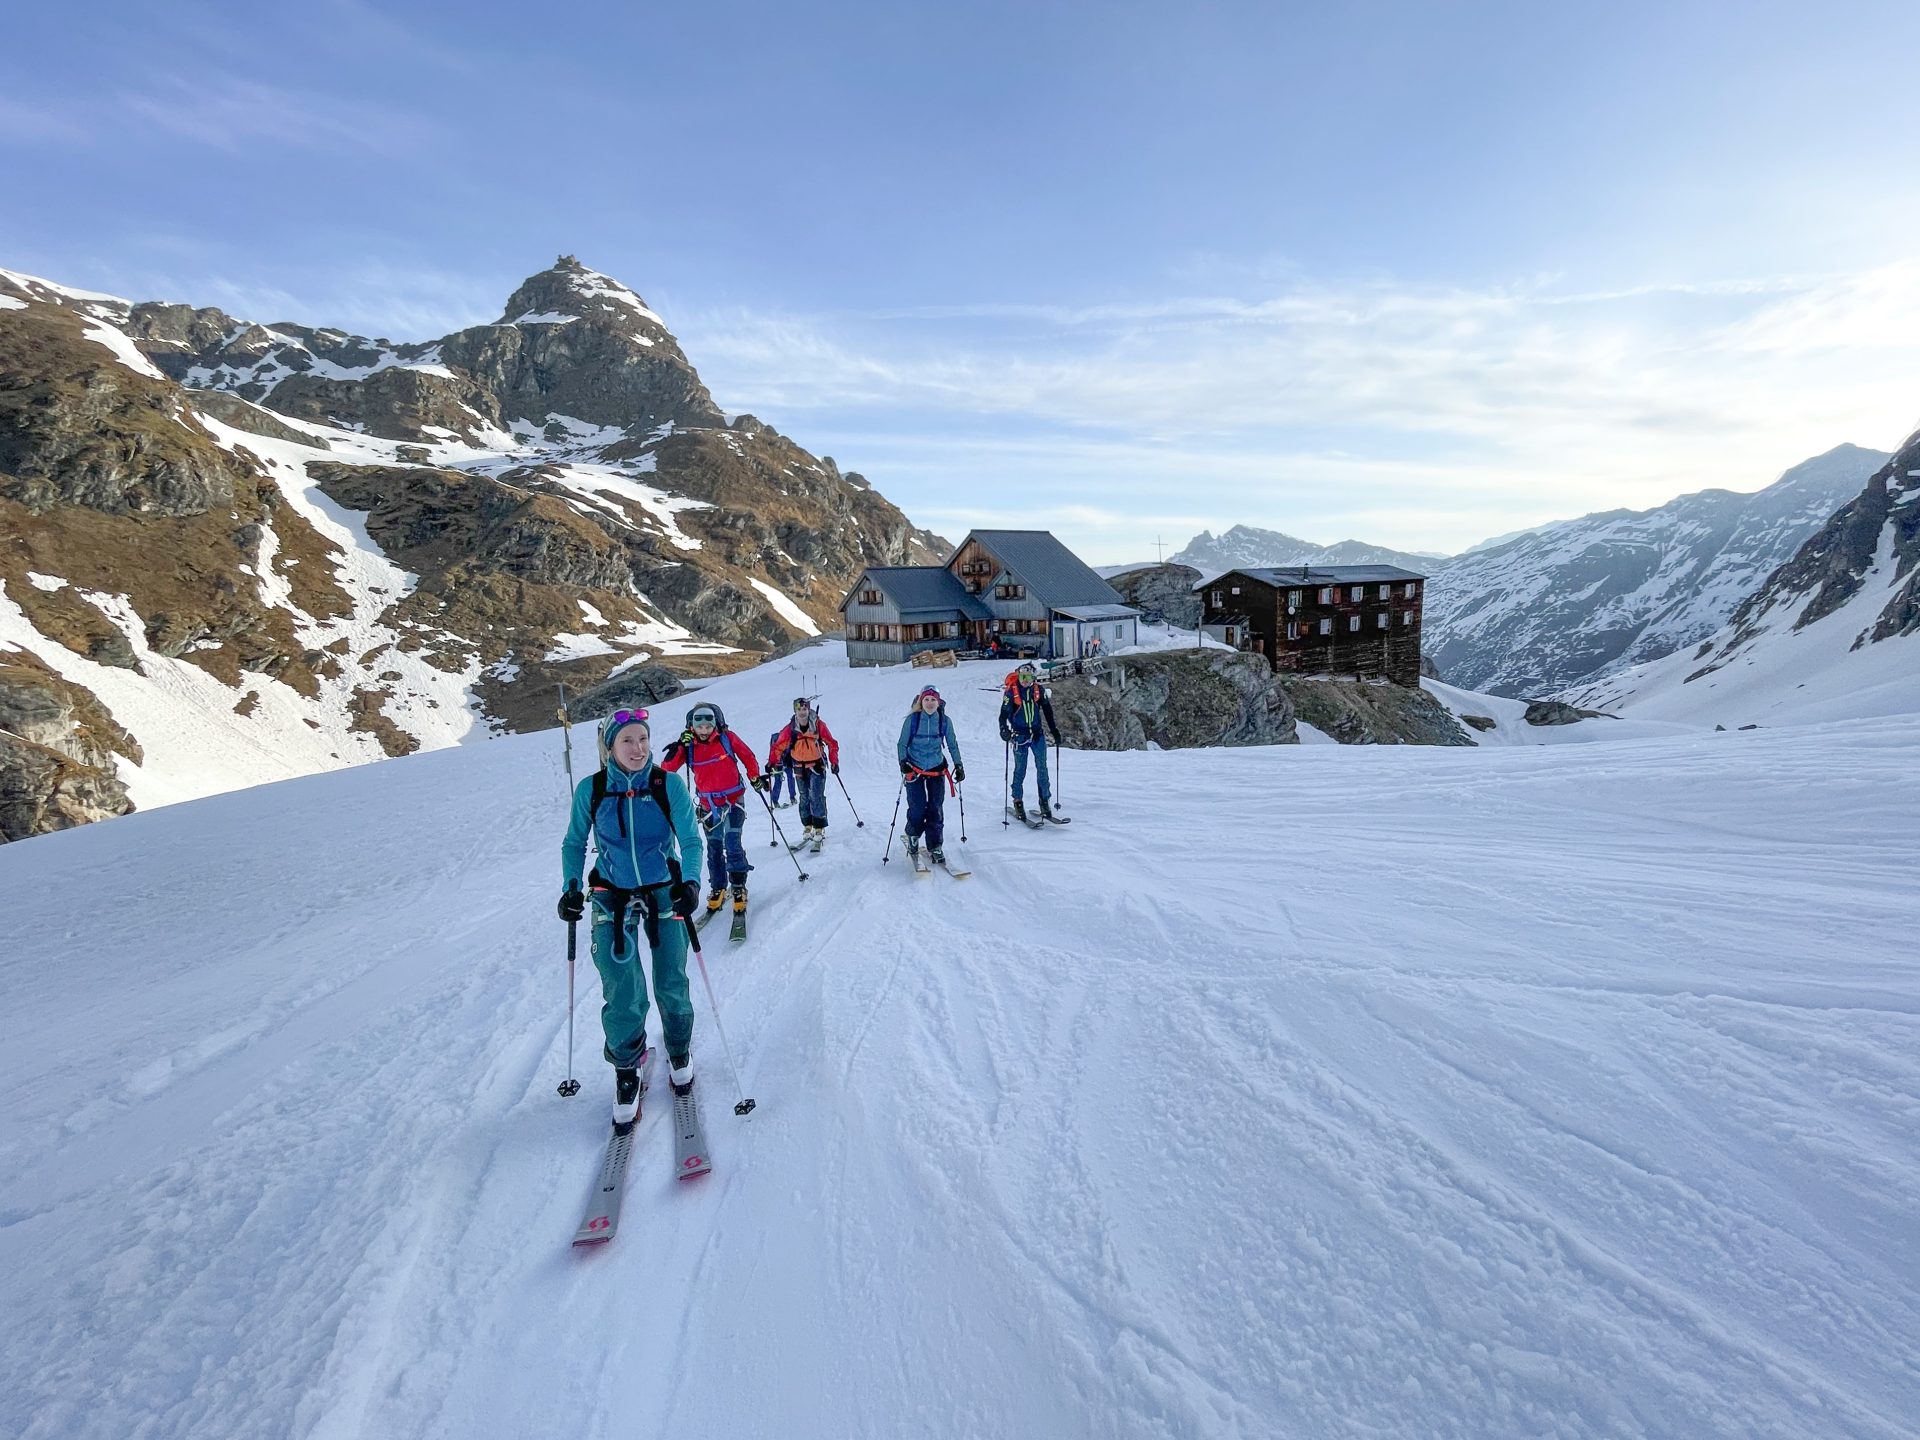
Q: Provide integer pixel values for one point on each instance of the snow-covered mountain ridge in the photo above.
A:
(1579, 600)
(1123, 1137)
(1249, 547)
(1833, 633)
(238, 552)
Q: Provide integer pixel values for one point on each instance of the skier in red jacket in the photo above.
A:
(811, 748)
(715, 754)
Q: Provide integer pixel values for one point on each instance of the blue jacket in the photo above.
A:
(631, 838)
(920, 737)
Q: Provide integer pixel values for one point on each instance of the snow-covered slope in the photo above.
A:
(1537, 1091)
(1833, 634)
(1582, 599)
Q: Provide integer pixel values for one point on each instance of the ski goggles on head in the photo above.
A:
(627, 717)
(703, 717)
(801, 705)
(929, 692)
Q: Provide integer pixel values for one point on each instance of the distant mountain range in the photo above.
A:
(1569, 603)
(1248, 547)
(239, 552)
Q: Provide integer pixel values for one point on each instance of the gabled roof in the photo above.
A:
(1307, 576)
(1053, 574)
(921, 590)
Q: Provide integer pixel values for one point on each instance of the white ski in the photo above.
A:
(690, 1156)
(603, 1211)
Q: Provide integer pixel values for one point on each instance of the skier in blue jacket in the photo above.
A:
(644, 831)
(1026, 715)
(926, 742)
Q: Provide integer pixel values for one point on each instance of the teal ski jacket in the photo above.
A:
(631, 838)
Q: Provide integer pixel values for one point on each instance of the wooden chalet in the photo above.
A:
(1359, 620)
(1020, 587)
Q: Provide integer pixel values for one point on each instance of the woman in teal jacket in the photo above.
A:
(643, 829)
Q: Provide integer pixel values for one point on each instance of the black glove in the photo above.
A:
(572, 903)
(1056, 738)
(959, 774)
(686, 898)
(835, 767)
(1006, 735)
(906, 767)
(760, 783)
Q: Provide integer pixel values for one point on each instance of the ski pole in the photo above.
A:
(570, 1086)
(1006, 784)
(961, 791)
(781, 833)
(888, 855)
(743, 1105)
(858, 823)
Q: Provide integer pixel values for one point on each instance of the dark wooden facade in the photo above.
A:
(1360, 620)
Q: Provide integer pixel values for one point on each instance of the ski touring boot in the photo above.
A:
(715, 898)
(627, 1090)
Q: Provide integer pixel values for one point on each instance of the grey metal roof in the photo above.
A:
(1053, 574)
(1306, 576)
(931, 591)
(1096, 612)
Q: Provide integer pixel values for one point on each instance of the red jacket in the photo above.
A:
(798, 742)
(715, 775)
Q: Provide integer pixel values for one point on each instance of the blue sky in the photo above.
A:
(1409, 272)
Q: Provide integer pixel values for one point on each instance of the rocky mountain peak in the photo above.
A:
(568, 290)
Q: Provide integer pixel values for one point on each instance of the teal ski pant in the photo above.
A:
(623, 983)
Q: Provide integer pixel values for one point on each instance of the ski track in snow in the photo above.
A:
(1551, 1091)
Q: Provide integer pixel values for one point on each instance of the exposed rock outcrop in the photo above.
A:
(57, 744)
(1162, 591)
(1558, 712)
(1175, 699)
(1363, 712)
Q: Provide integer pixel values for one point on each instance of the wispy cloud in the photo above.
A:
(32, 124)
(1434, 414)
(236, 113)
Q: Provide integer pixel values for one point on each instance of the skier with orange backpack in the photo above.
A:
(809, 747)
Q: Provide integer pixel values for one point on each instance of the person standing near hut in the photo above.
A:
(1026, 719)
